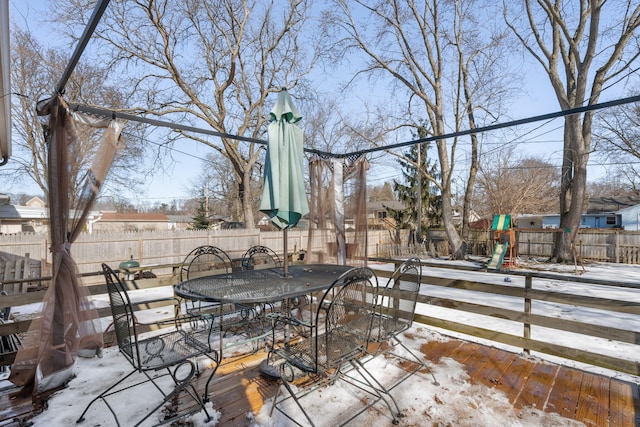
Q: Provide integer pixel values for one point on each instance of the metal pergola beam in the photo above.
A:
(82, 44)
(355, 154)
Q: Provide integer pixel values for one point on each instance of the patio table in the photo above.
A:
(261, 286)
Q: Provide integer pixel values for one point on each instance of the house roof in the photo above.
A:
(382, 205)
(180, 218)
(611, 204)
(133, 216)
(36, 202)
(23, 212)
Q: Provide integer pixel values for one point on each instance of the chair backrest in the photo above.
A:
(400, 296)
(123, 317)
(346, 312)
(258, 257)
(203, 261)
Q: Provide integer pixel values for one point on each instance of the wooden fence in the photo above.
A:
(481, 298)
(27, 255)
(605, 245)
(526, 310)
(150, 248)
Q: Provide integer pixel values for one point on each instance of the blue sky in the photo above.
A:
(537, 99)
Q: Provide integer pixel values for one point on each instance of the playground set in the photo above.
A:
(504, 243)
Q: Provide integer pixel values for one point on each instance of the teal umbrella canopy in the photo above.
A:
(283, 197)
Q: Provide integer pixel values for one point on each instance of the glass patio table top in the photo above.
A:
(261, 285)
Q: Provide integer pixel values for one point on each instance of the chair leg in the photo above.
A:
(295, 399)
(416, 359)
(285, 383)
(216, 360)
(102, 396)
(180, 385)
(379, 390)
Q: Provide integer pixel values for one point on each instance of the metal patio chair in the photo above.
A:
(224, 319)
(154, 357)
(205, 260)
(260, 256)
(396, 309)
(334, 344)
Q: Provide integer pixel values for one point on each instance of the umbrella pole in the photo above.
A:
(286, 253)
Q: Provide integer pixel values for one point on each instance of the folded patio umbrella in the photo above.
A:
(284, 198)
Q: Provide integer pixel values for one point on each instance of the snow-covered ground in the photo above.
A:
(454, 401)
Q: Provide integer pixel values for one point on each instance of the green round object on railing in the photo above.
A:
(130, 263)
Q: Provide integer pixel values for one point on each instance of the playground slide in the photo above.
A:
(498, 256)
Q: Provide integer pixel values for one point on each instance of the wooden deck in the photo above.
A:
(594, 400)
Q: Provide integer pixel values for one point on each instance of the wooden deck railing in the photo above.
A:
(526, 293)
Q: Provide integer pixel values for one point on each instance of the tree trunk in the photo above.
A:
(573, 189)
(247, 205)
(455, 242)
(458, 251)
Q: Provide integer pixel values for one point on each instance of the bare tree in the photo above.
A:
(381, 193)
(479, 69)
(511, 185)
(210, 64)
(221, 189)
(580, 47)
(35, 72)
(615, 184)
(423, 48)
(617, 142)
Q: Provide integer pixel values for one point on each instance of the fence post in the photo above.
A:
(528, 281)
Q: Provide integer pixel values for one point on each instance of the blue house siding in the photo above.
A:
(605, 220)
(551, 221)
(621, 214)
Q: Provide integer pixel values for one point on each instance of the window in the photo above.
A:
(611, 220)
(382, 214)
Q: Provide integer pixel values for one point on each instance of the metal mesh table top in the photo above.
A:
(261, 286)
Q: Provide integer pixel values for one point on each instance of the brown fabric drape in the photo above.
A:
(69, 324)
(338, 211)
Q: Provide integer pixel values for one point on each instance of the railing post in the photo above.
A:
(528, 281)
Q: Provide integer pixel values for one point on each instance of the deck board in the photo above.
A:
(621, 409)
(593, 404)
(564, 396)
(491, 374)
(592, 399)
(238, 389)
(537, 388)
(514, 379)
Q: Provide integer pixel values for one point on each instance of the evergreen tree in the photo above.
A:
(201, 220)
(431, 214)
